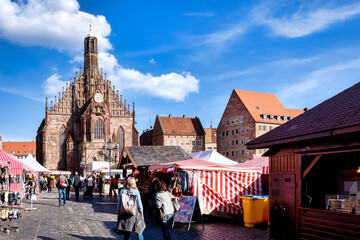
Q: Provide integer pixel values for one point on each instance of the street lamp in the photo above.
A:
(107, 149)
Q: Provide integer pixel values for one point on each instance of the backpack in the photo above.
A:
(128, 203)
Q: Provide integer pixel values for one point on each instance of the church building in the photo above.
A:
(86, 115)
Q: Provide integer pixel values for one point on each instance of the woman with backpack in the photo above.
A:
(165, 205)
(130, 210)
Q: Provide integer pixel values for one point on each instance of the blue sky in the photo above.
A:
(178, 57)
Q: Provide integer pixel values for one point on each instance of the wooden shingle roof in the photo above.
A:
(154, 155)
(336, 115)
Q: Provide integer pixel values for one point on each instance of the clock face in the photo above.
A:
(98, 97)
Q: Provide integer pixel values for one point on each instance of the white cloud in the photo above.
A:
(199, 14)
(302, 22)
(61, 25)
(152, 61)
(224, 36)
(53, 24)
(53, 84)
(323, 77)
(172, 86)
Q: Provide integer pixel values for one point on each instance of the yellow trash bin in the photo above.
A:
(256, 209)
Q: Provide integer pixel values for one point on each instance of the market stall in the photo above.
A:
(11, 190)
(213, 156)
(218, 187)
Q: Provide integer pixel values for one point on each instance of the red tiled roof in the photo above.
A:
(23, 147)
(338, 112)
(181, 126)
(259, 104)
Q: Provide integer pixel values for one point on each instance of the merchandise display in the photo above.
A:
(9, 200)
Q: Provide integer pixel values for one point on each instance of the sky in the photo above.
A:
(176, 57)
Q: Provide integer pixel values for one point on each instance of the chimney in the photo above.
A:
(184, 116)
(170, 116)
(0, 142)
(306, 109)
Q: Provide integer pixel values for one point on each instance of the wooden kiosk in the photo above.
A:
(315, 171)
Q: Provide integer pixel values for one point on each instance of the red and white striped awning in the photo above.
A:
(262, 162)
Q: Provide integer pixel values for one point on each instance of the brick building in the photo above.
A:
(247, 116)
(210, 138)
(186, 132)
(86, 114)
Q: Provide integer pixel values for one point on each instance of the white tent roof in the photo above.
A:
(31, 162)
(213, 156)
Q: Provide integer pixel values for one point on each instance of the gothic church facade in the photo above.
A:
(87, 113)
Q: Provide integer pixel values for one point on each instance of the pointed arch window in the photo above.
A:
(62, 145)
(99, 132)
(121, 137)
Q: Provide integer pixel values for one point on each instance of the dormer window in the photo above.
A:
(272, 117)
(278, 118)
(285, 118)
(290, 118)
(265, 117)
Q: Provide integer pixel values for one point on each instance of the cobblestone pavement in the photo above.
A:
(95, 219)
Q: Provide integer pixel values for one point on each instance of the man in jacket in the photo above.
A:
(61, 184)
(77, 185)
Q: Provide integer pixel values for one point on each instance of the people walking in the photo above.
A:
(76, 181)
(42, 182)
(151, 195)
(68, 188)
(61, 184)
(164, 204)
(114, 186)
(130, 196)
(90, 186)
(100, 183)
(49, 183)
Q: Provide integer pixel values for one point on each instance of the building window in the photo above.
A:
(232, 153)
(175, 142)
(241, 119)
(121, 138)
(19, 152)
(260, 127)
(264, 127)
(236, 131)
(232, 132)
(227, 133)
(242, 152)
(270, 128)
(222, 144)
(33, 151)
(272, 117)
(227, 123)
(285, 118)
(223, 134)
(168, 142)
(194, 143)
(236, 153)
(181, 142)
(226, 144)
(199, 142)
(187, 142)
(227, 154)
(242, 141)
(278, 118)
(232, 122)
(290, 118)
(99, 132)
(26, 151)
(265, 117)
(242, 130)
(232, 142)
(236, 142)
(236, 120)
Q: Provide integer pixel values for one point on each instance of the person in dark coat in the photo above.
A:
(100, 183)
(76, 182)
(68, 188)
